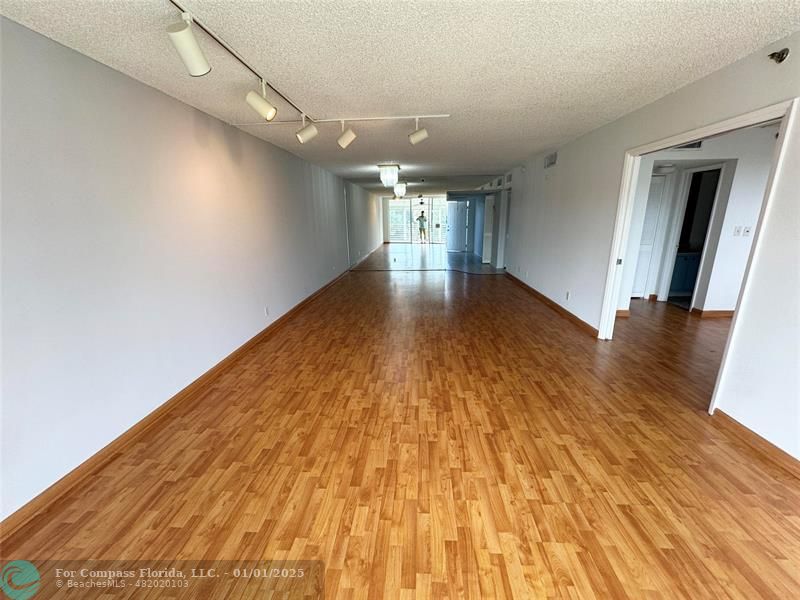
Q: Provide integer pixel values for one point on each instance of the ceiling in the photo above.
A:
(517, 77)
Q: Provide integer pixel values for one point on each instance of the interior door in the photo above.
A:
(654, 200)
(456, 226)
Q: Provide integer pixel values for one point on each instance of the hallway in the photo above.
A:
(447, 435)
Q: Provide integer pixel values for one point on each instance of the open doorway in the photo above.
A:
(690, 211)
(703, 186)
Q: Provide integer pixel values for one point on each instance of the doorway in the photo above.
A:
(703, 187)
(731, 227)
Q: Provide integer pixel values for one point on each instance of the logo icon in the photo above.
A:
(19, 580)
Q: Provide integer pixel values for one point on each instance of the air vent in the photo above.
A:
(691, 146)
(550, 160)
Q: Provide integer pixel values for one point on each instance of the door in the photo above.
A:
(655, 200)
(456, 226)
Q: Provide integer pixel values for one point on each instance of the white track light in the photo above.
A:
(346, 138)
(307, 132)
(189, 50)
(260, 104)
(400, 189)
(418, 135)
(389, 174)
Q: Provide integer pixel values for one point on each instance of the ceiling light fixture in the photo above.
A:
(182, 37)
(418, 135)
(400, 189)
(260, 104)
(389, 174)
(346, 138)
(307, 132)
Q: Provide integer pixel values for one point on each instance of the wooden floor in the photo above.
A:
(437, 434)
(424, 257)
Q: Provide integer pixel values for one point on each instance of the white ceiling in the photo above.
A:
(517, 77)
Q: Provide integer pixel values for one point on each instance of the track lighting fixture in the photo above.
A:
(182, 37)
(400, 189)
(389, 174)
(418, 135)
(260, 104)
(307, 132)
(346, 138)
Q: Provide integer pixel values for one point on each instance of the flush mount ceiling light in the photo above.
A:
(389, 174)
(346, 138)
(418, 135)
(260, 104)
(182, 37)
(307, 132)
(400, 189)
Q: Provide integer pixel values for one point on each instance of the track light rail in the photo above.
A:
(239, 57)
(349, 120)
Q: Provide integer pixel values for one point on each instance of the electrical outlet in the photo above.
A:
(746, 231)
(737, 231)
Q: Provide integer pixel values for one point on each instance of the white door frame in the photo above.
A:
(787, 111)
(671, 249)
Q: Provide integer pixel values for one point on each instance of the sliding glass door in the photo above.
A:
(403, 214)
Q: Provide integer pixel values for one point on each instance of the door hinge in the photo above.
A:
(619, 261)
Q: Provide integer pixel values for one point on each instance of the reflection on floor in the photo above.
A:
(424, 257)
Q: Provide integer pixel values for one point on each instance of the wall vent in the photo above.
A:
(550, 160)
(690, 146)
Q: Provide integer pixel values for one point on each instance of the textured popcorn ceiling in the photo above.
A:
(517, 77)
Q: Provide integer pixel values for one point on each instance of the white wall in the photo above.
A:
(748, 154)
(567, 216)
(760, 383)
(141, 241)
(569, 209)
(364, 222)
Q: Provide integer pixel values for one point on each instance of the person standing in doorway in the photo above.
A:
(423, 227)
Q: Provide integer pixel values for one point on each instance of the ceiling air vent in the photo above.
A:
(690, 146)
(550, 160)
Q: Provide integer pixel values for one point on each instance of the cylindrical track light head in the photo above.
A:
(420, 135)
(189, 50)
(307, 133)
(346, 138)
(261, 105)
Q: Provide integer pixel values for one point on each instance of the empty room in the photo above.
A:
(431, 299)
